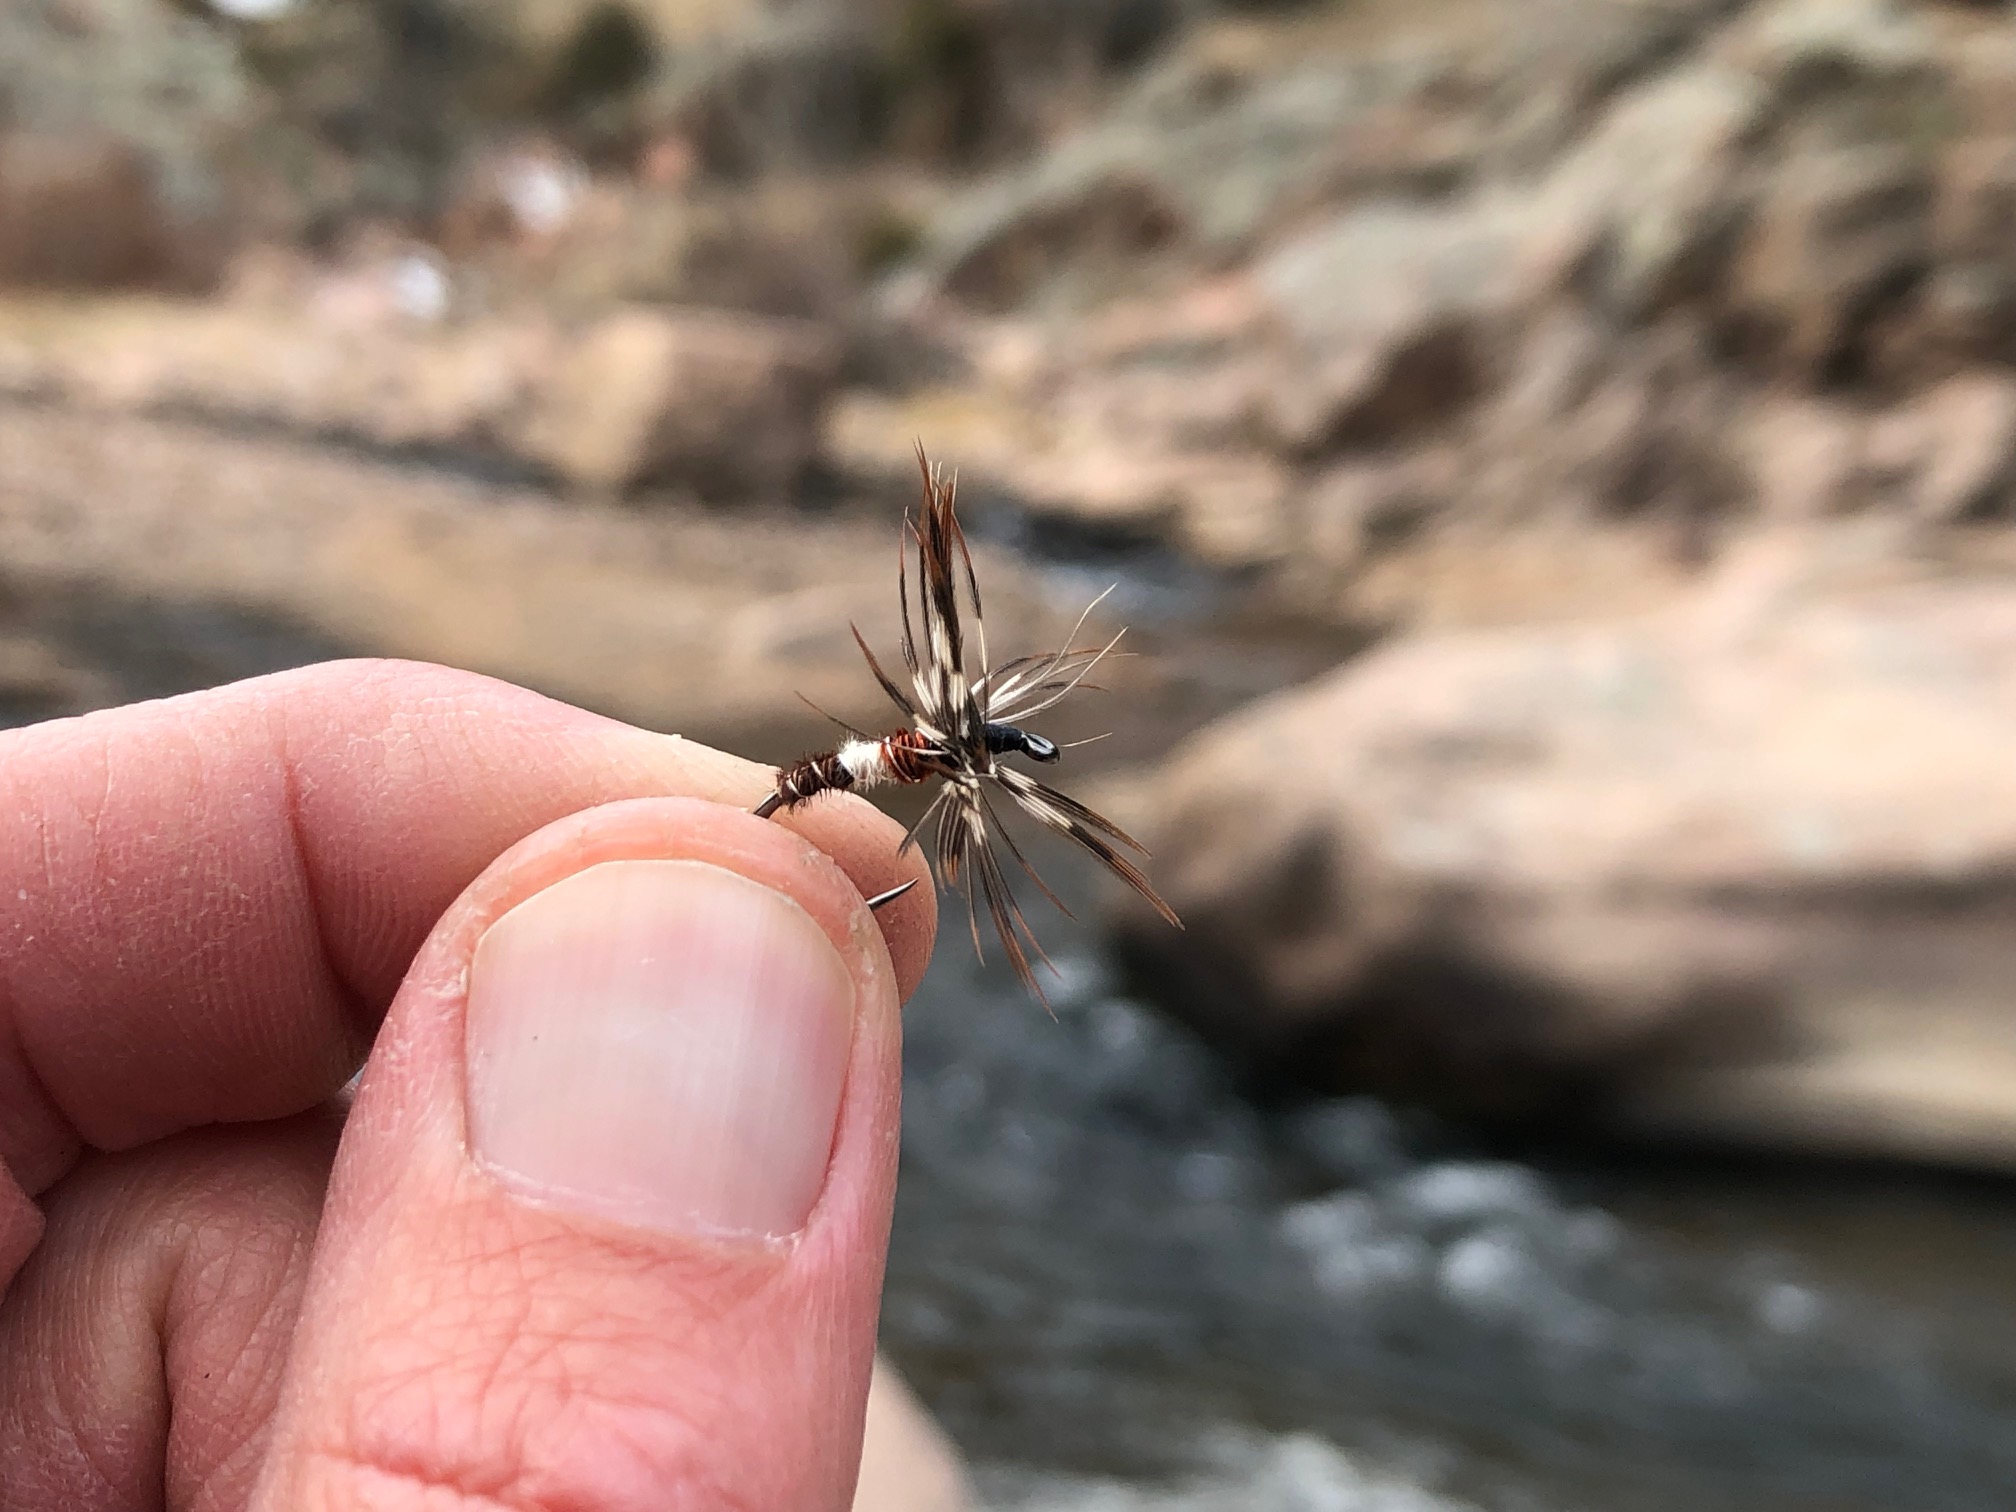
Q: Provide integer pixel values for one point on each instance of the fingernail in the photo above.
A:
(662, 1043)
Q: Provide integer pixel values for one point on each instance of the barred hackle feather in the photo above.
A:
(966, 720)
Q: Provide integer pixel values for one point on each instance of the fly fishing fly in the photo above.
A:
(966, 717)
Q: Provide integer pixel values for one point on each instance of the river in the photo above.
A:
(1125, 1287)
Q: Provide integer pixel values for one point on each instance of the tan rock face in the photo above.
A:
(1640, 211)
(1386, 309)
(724, 403)
(1654, 271)
(1945, 457)
(1966, 450)
(1839, 239)
(1108, 222)
(1739, 871)
(718, 403)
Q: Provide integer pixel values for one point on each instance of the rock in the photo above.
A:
(1357, 511)
(1976, 217)
(550, 25)
(1840, 239)
(1971, 297)
(1229, 507)
(723, 404)
(907, 1462)
(1649, 441)
(80, 213)
(792, 249)
(1945, 457)
(786, 86)
(1806, 458)
(352, 368)
(718, 402)
(1101, 226)
(1226, 132)
(1971, 471)
(1713, 277)
(1137, 424)
(1392, 391)
(1812, 48)
(1951, 452)
(1735, 872)
(1404, 311)
(1554, 372)
(1387, 308)
(1246, 129)
(1640, 213)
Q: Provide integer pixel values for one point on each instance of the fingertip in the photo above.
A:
(638, 1101)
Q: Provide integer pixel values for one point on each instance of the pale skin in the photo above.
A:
(219, 1294)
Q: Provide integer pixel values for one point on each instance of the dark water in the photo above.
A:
(1125, 1287)
(67, 647)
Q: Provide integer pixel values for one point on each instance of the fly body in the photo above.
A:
(965, 724)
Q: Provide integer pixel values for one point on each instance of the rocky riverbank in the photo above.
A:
(1653, 358)
(1559, 459)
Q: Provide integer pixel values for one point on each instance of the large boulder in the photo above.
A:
(1843, 237)
(81, 213)
(720, 402)
(1639, 214)
(1388, 310)
(1739, 871)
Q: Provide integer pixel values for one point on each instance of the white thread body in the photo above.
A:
(867, 762)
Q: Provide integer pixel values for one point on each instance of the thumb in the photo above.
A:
(607, 1228)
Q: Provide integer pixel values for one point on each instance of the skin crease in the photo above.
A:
(209, 906)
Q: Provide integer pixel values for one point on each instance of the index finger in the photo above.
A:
(206, 903)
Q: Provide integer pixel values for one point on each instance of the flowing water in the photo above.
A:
(1126, 1287)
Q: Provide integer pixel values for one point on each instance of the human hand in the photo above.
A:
(606, 1222)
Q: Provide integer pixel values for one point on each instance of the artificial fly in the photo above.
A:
(963, 724)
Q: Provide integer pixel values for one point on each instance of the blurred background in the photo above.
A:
(1558, 458)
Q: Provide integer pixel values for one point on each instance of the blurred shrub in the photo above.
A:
(609, 54)
(371, 103)
(804, 90)
(138, 71)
